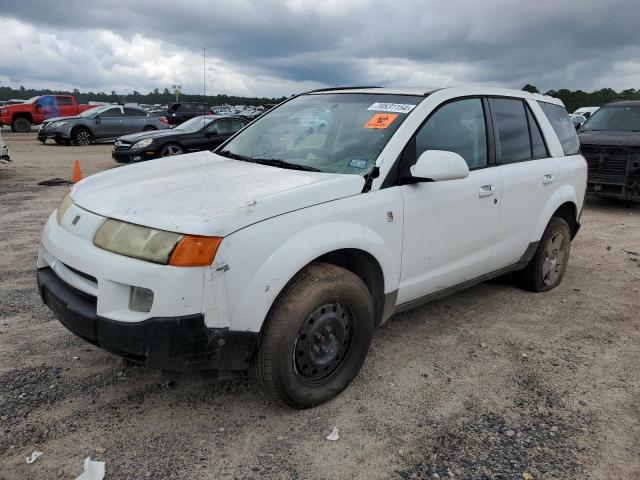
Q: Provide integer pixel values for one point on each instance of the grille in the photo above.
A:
(605, 160)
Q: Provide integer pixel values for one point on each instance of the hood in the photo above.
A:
(205, 194)
(627, 139)
(135, 137)
(57, 119)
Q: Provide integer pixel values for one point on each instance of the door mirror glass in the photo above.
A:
(211, 133)
(439, 165)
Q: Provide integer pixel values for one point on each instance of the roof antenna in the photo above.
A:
(204, 80)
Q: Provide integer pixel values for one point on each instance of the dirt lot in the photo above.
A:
(492, 382)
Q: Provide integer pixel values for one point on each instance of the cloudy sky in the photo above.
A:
(279, 47)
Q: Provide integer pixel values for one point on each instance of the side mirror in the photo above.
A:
(438, 166)
(211, 133)
(98, 119)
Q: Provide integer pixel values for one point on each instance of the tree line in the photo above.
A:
(154, 97)
(576, 99)
(572, 99)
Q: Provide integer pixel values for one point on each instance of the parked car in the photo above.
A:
(577, 121)
(610, 141)
(199, 133)
(4, 150)
(21, 116)
(284, 249)
(180, 112)
(585, 112)
(100, 123)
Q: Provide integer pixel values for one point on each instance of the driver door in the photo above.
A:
(450, 226)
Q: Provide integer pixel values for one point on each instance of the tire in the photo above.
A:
(21, 125)
(171, 149)
(316, 337)
(547, 267)
(149, 129)
(82, 136)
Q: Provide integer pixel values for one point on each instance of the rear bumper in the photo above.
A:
(182, 343)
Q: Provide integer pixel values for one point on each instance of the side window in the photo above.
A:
(236, 125)
(201, 108)
(538, 148)
(112, 112)
(64, 101)
(559, 119)
(512, 130)
(133, 112)
(458, 127)
(223, 127)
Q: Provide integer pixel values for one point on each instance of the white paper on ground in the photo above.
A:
(334, 435)
(34, 456)
(92, 470)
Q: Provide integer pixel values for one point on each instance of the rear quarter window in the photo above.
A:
(559, 119)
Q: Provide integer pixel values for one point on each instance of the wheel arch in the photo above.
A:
(564, 204)
(361, 251)
(75, 128)
(26, 115)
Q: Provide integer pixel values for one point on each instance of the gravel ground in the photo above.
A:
(490, 383)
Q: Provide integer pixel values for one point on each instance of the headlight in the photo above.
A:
(142, 143)
(58, 124)
(156, 246)
(65, 203)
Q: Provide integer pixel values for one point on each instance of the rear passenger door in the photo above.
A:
(450, 227)
(134, 120)
(529, 177)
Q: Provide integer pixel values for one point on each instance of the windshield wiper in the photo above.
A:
(282, 164)
(235, 156)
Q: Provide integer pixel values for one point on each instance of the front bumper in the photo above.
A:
(45, 133)
(182, 343)
(134, 156)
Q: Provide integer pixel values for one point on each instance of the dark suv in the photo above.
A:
(610, 142)
(180, 112)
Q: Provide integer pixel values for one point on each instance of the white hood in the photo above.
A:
(206, 194)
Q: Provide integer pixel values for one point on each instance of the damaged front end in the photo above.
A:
(614, 171)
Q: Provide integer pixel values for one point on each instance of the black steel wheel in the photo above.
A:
(316, 336)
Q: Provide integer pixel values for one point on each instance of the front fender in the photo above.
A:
(298, 251)
(566, 193)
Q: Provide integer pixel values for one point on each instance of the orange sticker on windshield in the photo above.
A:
(381, 120)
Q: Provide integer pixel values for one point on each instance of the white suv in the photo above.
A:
(283, 250)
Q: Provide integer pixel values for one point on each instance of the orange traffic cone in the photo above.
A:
(76, 176)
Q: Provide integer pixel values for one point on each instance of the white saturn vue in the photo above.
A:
(282, 251)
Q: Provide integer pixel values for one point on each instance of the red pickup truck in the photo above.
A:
(21, 116)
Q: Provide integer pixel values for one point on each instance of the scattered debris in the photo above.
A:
(509, 433)
(483, 345)
(92, 470)
(443, 372)
(34, 456)
(334, 435)
(527, 476)
(524, 355)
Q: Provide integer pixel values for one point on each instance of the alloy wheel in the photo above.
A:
(171, 150)
(555, 258)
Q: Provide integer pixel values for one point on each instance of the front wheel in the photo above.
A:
(170, 150)
(21, 125)
(82, 136)
(316, 337)
(547, 267)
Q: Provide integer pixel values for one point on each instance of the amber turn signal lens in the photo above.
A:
(195, 251)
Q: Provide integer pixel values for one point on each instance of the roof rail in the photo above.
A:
(328, 89)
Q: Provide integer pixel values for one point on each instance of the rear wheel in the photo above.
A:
(82, 136)
(316, 336)
(21, 125)
(170, 150)
(547, 267)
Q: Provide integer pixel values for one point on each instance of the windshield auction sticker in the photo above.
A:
(392, 107)
(381, 120)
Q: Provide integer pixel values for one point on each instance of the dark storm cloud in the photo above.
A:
(573, 44)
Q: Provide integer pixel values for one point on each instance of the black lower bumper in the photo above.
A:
(170, 343)
(133, 156)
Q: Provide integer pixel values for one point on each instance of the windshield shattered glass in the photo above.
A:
(332, 132)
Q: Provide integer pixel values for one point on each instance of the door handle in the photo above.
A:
(486, 191)
(547, 179)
